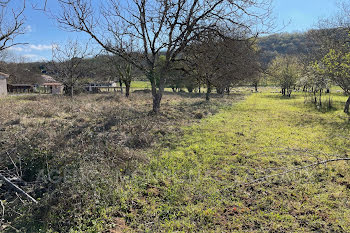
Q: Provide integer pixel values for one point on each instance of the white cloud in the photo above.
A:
(41, 47)
(33, 52)
(33, 47)
(17, 49)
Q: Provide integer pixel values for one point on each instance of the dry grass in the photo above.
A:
(53, 143)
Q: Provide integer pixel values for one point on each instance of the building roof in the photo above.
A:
(52, 84)
(48, 79)
(21, 85)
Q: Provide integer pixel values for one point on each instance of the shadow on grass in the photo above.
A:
(280, 96)
(192, 95)
(323, 109)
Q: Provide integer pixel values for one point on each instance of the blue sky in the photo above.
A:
(301, 15)
(43, 32)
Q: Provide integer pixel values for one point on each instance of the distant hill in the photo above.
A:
(287, 44)
(295, 44)
(313, 44)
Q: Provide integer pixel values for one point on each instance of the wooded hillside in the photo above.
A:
(298, 44)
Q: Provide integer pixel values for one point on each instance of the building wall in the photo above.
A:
(3, 87)
(57, 90)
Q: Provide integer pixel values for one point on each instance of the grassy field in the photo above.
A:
(141, 84)
(198, 175)
(197, 184)
(54, 143)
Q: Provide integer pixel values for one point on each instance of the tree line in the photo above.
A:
(155, 36)
(171, 42)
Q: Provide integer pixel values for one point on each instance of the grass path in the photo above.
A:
(194, 185)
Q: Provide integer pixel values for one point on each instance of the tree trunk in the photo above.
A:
(329, 102)
(256, 87)
(220, 90)
(121, 85)
(207, 96)
(156, 102)
(315, 96)
(156, 94)
(347, 106)
(127, 88)
(72, 87)
(283, 91)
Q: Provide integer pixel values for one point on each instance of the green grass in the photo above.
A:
(191, 179)
(195, 185)
(137, 85)
(141, 84)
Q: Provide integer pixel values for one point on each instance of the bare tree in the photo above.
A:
(68, 64)
(121, 71)
(39, 4)
(222, 61)
(156, 27)
(11, 23)
(125, 75)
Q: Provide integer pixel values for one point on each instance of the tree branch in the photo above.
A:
(18, 189)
